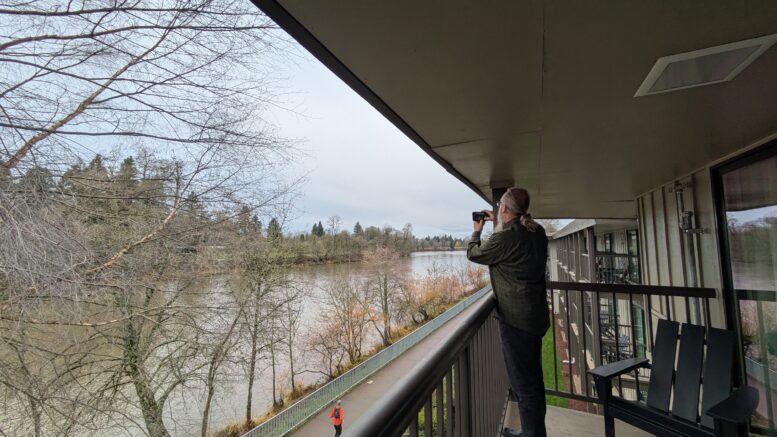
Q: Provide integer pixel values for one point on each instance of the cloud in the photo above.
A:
(360, 166)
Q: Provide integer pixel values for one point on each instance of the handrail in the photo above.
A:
(397, 410)
(392, 413)
(305, 408)
(635, 289)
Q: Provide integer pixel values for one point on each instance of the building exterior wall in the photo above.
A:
(672, 257)
(619, 240)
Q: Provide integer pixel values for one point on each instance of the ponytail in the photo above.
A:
(528, 222)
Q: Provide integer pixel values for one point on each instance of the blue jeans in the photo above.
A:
(523, 359)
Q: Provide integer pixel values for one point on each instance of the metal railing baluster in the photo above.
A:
(428, 417)
(457, 397)
(553, 322)
(649, 321)
(465, 394)
(616, 331)
(439, 397)
(634, 353)
(599, 326)
(449, 404)
(414, 427)
(687, 310)
(584, 331)
(569, 341)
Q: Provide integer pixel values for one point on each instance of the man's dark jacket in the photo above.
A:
(516, 258)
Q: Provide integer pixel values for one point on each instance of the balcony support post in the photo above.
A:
(591, 249)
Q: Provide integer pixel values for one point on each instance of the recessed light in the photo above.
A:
(703, 67)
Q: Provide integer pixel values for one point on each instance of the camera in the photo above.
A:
(478, 216)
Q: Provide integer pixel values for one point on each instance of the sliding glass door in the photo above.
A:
(747, 214)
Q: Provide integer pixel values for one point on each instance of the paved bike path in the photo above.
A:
(357, 401)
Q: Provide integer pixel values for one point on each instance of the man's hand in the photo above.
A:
(478, 226)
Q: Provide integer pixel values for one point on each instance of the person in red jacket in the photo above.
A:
(337, 418)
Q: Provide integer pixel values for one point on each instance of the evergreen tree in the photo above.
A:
(274, 230)
(96, 176)
(96, 162)
(244, 220)
(126, 182)
(67, 184)
(357, 229)
(127, 172)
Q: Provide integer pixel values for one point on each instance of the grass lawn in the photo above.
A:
(547, 371)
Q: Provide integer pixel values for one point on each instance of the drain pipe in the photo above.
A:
(689, 231)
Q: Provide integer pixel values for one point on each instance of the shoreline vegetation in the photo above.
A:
(123, 292)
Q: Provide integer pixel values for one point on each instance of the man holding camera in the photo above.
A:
(516, 256)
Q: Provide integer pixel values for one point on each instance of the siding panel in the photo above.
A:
(665, 257)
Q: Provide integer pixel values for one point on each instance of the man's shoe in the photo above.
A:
(510, 432)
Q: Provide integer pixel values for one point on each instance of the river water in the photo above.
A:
(183, 416)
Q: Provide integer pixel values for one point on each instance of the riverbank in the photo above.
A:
(438, 249)
(311, 260)
(434, 295)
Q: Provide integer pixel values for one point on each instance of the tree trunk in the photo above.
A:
(206, 411)
(152, 411)
(149, 407)
(35, 411)
(386, 314)
(252, 366)
(291, 366)
(272, 361)
(219, 354)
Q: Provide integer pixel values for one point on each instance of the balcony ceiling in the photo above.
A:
(540, 94)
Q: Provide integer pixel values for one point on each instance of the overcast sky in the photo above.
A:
(361, 167)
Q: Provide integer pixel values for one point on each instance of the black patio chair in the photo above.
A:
(722, 412)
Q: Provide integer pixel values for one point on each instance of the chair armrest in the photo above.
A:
(738, 407)
(619, 367)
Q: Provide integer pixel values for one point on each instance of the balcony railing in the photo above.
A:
(461, 387)
(289, 419)
(594, 324)
(616, 268)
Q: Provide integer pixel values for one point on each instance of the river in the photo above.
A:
(183, 415)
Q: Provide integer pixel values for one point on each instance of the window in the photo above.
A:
(632, 246)
(746, 191)
(608, 243)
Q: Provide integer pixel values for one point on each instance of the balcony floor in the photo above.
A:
(561, 422)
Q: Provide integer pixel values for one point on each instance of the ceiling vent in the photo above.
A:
(703, 67)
